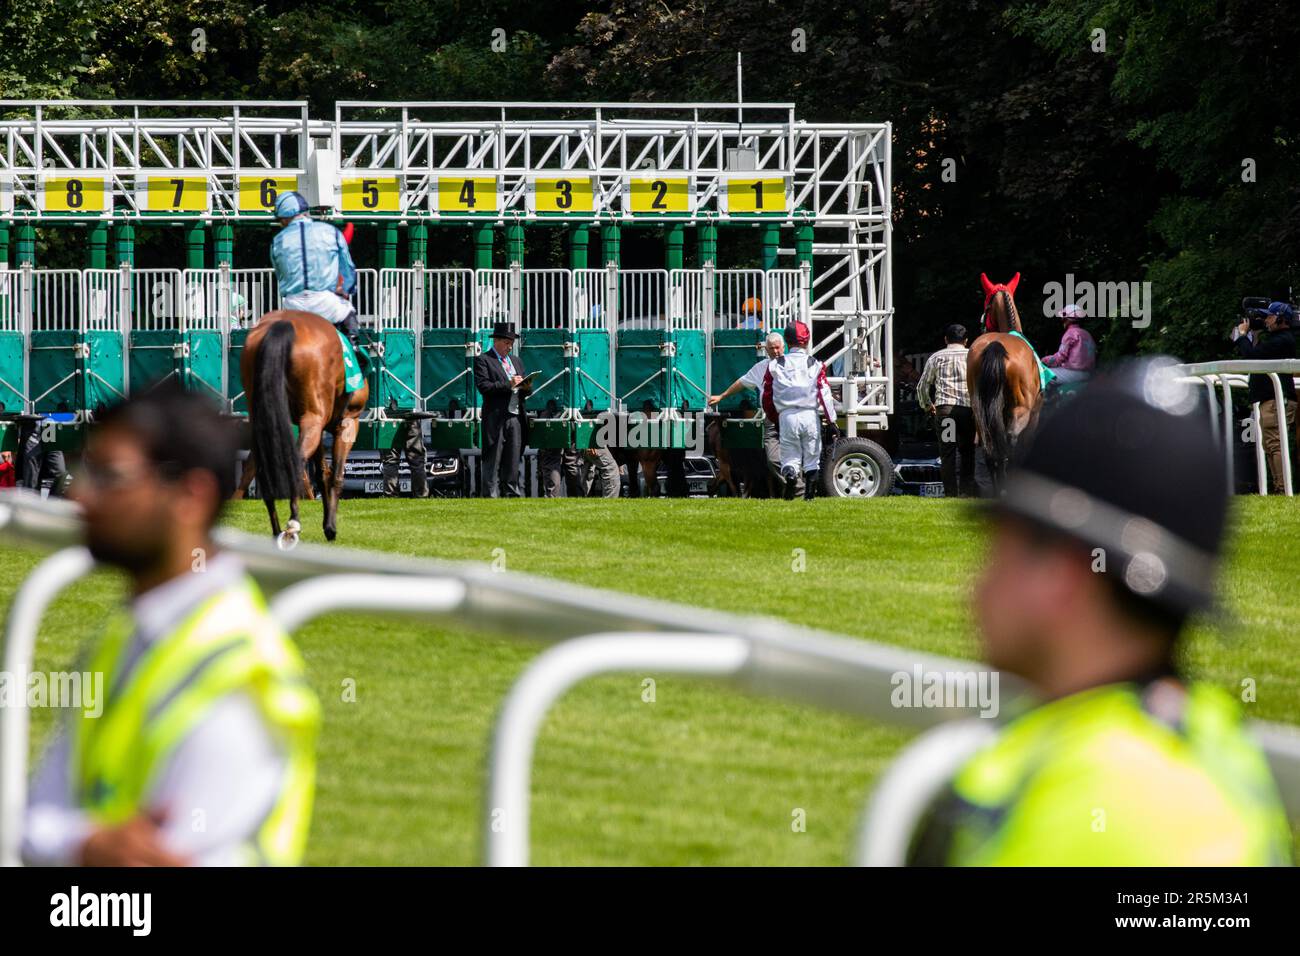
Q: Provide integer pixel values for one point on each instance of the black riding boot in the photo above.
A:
(790, 479)
(362, 358)
(352, 330)
(810, 484)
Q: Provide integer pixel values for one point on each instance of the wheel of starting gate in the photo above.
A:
(857, 468)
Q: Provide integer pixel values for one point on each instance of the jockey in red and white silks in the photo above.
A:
(795, 397)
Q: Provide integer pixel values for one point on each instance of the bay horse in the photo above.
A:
(1002, 378)
(293, 373)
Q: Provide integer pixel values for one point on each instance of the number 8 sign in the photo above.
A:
(74, 193)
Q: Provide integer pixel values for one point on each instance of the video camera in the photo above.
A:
(1253, 309)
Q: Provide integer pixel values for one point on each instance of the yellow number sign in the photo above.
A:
(74, 192)
(756, 195)
(467, 194)
(663, 194)
(564, 194)
(372, 194)
(259, 193)
(176, 193)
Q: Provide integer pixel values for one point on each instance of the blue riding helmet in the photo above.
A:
(289, 205)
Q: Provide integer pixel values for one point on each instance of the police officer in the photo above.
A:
(1097, 560)
(206, 713)
(314, 269)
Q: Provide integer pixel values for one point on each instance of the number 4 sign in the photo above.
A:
(466, 194)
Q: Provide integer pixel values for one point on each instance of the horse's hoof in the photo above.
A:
(331, 534)
(287, 541)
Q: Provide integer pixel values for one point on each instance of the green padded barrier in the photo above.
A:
(153, 356)
(734, 353)
(11, 371)
(392, 380)
(446, 371)
(55, 370)
(103, 381)
(688, 364)
(638, 360)
(542, 351)
(592, 380)
(203, 366)
(235, 385)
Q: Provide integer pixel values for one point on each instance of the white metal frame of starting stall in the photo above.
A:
(1219, 379)
(597, 632)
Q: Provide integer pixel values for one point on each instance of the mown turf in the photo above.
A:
(699, 775)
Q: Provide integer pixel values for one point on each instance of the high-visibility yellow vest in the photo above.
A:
(229, 644)
(1094, 779)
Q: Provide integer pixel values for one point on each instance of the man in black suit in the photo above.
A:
(499, 378)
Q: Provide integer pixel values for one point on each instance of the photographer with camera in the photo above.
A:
(1265, 334)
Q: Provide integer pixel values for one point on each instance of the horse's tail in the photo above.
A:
(279, 463)
(989, 403)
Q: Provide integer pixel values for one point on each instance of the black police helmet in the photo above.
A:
(1130, 465)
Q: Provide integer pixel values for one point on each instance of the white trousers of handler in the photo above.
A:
(801, 439)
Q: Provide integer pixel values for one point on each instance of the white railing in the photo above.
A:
(613, 632)
(1219, 379)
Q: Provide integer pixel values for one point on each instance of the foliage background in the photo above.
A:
(1116, 166)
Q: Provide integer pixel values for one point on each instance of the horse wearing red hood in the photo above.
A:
(1002, 377)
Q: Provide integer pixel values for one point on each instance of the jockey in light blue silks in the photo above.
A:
(314, 268)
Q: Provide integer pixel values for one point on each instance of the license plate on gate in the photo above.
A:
(377, 487)
(932, 489)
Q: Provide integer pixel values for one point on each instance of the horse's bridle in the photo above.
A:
(1012, 314)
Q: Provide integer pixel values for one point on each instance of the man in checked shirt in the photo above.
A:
(941, 392)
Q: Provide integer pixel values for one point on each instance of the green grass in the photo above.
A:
(702, 775)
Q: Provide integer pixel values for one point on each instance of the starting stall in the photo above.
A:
(758, 218)
(450, 339)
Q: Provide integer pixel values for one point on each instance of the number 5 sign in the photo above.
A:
(362, 194)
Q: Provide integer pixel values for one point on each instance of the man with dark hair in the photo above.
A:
(941, 392)
(1096, 562)
(1274, 342)
(205, 710)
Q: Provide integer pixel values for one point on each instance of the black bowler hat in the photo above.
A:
(1130, 465)
(503, 330)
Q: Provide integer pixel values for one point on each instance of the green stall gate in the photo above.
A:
(76, 359)
(13, 344)
(221, 306)
(449, 339)
(659, 364)
(539, 304)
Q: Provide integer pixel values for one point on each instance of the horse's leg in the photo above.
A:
(310, 429)
(344, 437)
(275, 518)
(650, 469)
(245, 478)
